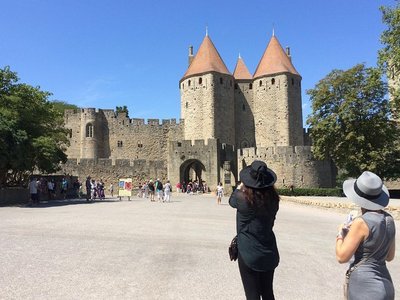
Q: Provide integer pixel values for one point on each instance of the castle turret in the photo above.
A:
(88, 133)
(277, 99)
(207, 100)
(244, 120)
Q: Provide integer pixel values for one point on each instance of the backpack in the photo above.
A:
(159, 185)
(151, 186)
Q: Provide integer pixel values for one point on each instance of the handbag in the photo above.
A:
(353, 268)
(233, 249)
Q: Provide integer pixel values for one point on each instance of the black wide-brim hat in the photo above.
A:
(258, 175)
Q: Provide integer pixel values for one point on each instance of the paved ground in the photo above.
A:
(144, 250)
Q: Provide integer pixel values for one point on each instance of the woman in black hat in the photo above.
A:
(257, 203)
(370, 238)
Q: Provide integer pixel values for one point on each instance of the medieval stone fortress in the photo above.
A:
(227, 121)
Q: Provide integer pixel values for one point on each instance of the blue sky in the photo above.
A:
(107, 53)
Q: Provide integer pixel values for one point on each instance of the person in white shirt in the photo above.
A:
(220, 192)
(33, 190)
(167, 192)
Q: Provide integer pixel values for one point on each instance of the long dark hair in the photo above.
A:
(264, 200)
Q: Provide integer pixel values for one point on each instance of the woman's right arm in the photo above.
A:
(233, 199)
(347, 246)
(392, 250)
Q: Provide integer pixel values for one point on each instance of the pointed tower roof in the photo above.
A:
(274, 60)
(241, 71)
(207, 59)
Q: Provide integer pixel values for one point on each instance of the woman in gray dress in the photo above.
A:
(370, 238)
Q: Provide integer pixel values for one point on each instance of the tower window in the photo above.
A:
(236, 86)
(200, 80)
(89, 130)
(179, 144)
(273, 81)
(260, 82)
(221, 81)
(187, 105)
(119, 144)
(189, 83)
(140, 145)
(292, 81)
(250, 86)
(183, 85)
(243, 107)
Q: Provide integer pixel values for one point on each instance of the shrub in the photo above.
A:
(332, 192)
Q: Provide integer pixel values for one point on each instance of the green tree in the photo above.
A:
(351, 122)
(389, 55)
(122, 109)
(61, 106)
(32, 133)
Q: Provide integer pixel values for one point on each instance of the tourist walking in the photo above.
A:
(145, 189)
(220, 192)
(178, 187)
(370, 238)
(50, 188)
(257, 203)
(151, 190)
(33, 190)
(64, 188)
(93, 189)
(111, 189)
(88, 185)
(159, 190)
(167, 192)
(140, 191)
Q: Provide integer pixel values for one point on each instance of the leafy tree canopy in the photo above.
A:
(122, 109)
(61, 106)
(32, 133)
(389, 55)
(351, 122)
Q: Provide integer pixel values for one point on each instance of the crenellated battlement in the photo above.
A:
(112, 114)
(263, 153)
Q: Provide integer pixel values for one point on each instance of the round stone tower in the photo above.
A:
(88, 133)
(277, 99)
(207, 99)
(244, 119)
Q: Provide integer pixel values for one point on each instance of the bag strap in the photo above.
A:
(353, 268)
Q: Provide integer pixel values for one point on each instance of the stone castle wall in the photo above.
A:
(207, 107)
(244, 119)
(118, 137)
(110, 171)
(277, 116)
(294, 166)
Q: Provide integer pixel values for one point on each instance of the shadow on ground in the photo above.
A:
(65, 202)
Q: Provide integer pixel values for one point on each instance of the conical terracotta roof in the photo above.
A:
(274, 60)
(207, 59)
(241, 71)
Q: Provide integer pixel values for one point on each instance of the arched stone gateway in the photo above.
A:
(191, 170)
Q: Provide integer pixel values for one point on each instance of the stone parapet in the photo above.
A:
(340, 204)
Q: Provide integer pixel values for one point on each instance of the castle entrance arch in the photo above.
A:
(191, 170)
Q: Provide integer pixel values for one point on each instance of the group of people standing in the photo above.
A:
(94, 189)
(41, 188)
(369, 239)
(192, 187)
(149, 189)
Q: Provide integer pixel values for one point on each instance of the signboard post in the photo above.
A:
(125, 188)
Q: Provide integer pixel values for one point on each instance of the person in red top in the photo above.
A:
(178, 187)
